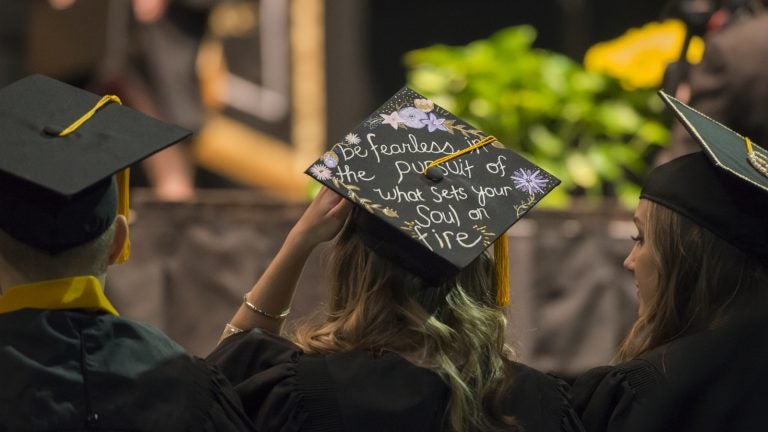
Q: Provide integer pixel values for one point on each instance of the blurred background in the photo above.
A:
(268, 85)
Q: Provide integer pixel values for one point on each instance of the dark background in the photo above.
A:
(366, 39)
(566, 26)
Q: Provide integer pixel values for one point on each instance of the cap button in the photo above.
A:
(434, 173)
(52, 130)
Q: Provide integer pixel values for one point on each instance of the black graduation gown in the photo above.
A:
(713, 380)
(285, 390)
(76, 370)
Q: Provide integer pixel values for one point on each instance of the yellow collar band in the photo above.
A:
(80, 292)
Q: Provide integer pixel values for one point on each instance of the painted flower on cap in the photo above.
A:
(352, 138)
(330, 159)
(529, 181)
(412, 117)
(425, 105)
(320, 172)
(393, 119)
(433, 123)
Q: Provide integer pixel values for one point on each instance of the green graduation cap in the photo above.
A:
(432, 192)
(724, 188)
(61, 148)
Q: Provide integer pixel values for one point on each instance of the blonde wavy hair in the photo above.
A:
(455, 329)
(703, 283)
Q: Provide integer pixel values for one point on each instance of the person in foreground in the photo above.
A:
(380, 360)
(696, 358)
(68, 361)
(413, 335)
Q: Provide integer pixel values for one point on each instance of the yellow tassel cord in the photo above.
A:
(501, 260)
(487, 140)
(749, 144)
(79, 122)
(500, 247)
(122, 177)
(123, 207)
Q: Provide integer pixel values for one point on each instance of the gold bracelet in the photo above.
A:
(253, 307)
(229, 330)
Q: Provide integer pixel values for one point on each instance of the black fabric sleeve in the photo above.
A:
(263, 369)
(540, 402)
(243, 354)
(605, 397)
(226, 411)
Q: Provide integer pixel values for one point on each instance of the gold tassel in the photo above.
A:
(501, 260)
(79, 122)
(123, 208)
(487, 140)
(122, 177)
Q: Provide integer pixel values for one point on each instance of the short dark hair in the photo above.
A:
(34, 264)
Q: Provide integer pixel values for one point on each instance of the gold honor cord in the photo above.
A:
(758, 161)
(500, 246)
(122, 177)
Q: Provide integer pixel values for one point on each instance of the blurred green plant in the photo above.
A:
(581, 126)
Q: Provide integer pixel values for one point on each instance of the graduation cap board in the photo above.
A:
(436, 192)
(61, 146)
(727, 149)
(724, 188)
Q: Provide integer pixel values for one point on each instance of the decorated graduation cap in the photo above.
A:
(723, 188)
(65, 153)
(432, 192)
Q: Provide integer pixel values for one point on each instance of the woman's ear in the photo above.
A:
(118, 241)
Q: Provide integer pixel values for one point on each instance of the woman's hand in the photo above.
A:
(61, 4)
(322, 220)
(149, 11)
(272, 293)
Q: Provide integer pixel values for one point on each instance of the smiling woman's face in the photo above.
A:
(641, 261)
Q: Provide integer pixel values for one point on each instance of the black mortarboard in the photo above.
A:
(724, 188)
(60, 147)
(434, 223)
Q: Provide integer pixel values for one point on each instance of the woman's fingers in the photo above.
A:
(323, 219)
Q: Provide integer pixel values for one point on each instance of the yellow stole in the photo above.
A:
(80, 292)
